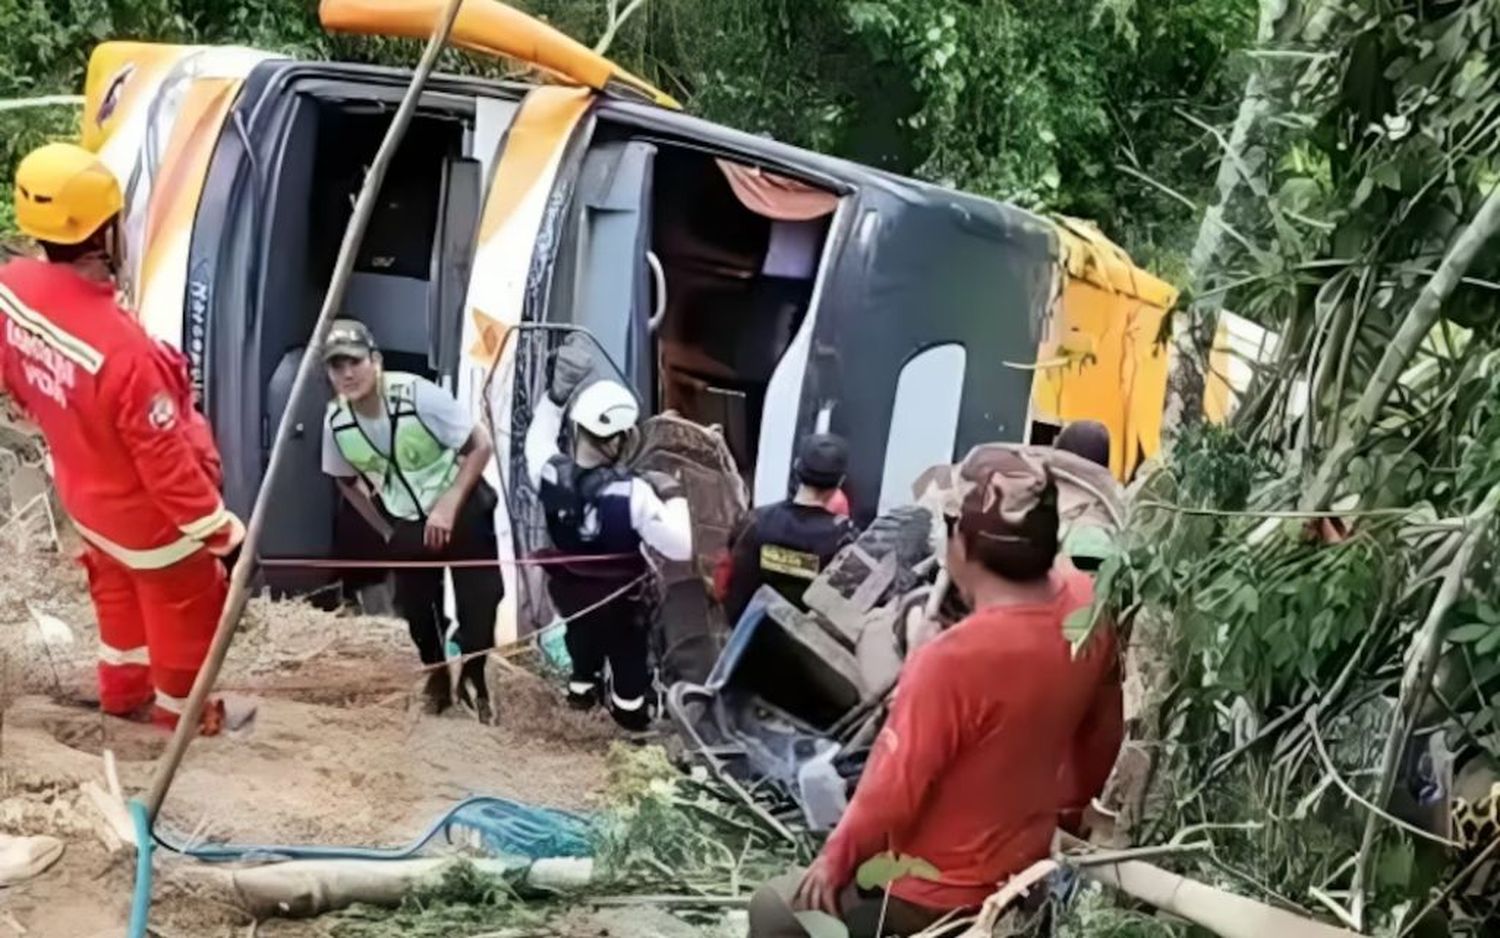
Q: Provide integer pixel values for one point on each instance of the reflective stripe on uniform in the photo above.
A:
(633, 704)
(171, 704)
(65, 344)
(120, 657)
(154, 558)
(208, 524)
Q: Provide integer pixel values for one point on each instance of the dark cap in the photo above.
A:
(822, 460)
(1086, 438)
(348, 338)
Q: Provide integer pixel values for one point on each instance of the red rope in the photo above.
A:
(311, 563)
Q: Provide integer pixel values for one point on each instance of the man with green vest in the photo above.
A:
(411, 461)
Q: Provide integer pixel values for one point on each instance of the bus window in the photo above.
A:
(924, 420)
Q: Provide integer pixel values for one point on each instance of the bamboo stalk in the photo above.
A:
(239, 588)
(46, 100)
(1218, 910)
(1426, 650)
(1185, 378)
(1414, 328)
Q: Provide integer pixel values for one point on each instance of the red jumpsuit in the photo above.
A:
(137, 471)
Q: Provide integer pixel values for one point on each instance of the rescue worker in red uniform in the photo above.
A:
(134, 463)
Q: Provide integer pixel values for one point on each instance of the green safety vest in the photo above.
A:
(423, 468)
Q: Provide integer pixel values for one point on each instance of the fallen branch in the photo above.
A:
(1426, 650)
(1103, 857)
(617, 18)
(1356, 797)
(722, 902)
(46, 100)
(305, 888)
(1453, 885)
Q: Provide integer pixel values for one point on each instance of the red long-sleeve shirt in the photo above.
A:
(995, 728)
(135, 466)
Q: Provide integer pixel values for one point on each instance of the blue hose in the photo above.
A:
(506, 827)
(140, 903)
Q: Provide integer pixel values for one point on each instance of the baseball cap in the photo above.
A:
(822, 460)
(348, 338)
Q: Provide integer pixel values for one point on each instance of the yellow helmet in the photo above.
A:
(64, 194)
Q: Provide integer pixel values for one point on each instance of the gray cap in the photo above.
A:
(348, 338)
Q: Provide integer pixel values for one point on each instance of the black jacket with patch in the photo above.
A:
(784, 546)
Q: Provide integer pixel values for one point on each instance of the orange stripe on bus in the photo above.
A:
(179, 182)
(541, 129)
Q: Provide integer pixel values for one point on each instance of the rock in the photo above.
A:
(23, 858)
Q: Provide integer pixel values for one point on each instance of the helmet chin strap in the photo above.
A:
(104, 261)
(591, 452)
(114, 245)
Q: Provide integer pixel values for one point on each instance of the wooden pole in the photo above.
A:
(239, 586)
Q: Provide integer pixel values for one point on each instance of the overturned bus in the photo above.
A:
(737, 281)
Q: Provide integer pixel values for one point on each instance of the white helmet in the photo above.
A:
(605, 408)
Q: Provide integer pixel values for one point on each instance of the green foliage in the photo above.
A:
(669, 832)
(463, 901)
(1216, 466)
(1287, 636)
(1094, 914)
(1036, 103)
(883, 869)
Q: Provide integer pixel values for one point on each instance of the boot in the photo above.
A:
(637, 720)
(474, 692)
(438, 693)
(632, 721)
(219, 715)
(582, 694)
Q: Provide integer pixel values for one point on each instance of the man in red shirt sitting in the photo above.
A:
(965, 774)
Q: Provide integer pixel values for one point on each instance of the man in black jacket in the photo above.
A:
(786, 545)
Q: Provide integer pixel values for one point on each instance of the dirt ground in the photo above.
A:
(338, 754)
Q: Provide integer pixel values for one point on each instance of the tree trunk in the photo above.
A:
(1147, 679)
(1191, 328)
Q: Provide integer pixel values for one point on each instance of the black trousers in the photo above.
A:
(616, 632)
(477, 590)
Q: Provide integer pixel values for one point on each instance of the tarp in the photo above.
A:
(774, 196)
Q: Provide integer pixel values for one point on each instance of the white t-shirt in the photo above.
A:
(439, 412)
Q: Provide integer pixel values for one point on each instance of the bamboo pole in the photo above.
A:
(239, 587)
(1186, 377)
(1221, 912)
(1414, 329)
(46, 100)
(1426, 651)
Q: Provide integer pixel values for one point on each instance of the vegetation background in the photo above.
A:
(1038, 103)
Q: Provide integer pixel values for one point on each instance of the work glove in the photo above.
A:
(666, 486)
(573, 365)
(226, 538)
